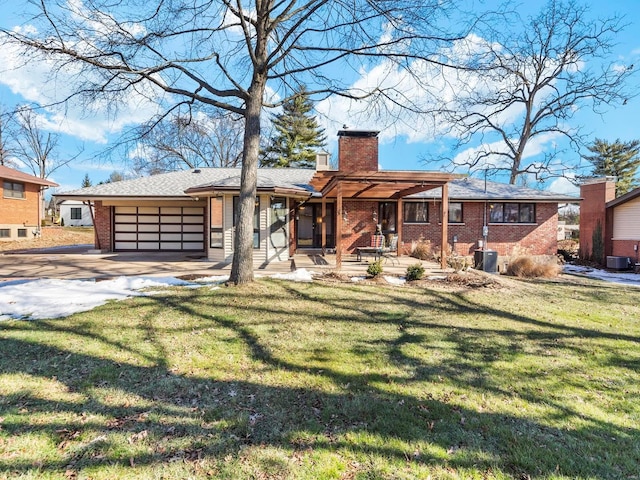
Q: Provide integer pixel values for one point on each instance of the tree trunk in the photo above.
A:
(242, 267)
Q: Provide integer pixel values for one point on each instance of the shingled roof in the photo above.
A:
(474, 190)
(175, 184)
(186, 183)
(18, 176)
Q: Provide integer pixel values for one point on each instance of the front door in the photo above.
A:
(309, 226)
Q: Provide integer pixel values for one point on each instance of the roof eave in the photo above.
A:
(501, 199)
(624, 198)
(123, 197)
(212, 190)
(42, 183)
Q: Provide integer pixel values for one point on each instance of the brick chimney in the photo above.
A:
(595, 194)
(357, 151)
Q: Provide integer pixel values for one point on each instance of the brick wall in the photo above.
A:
(21, 211)
(625, 248)
(357, 151)
(359, 224)
(506, 239)
(595, 195)
(103, 225)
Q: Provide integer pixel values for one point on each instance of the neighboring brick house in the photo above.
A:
(613, 222)
(337, 210)
(21, 206)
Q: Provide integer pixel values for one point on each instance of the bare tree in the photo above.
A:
(527, 87)
(35, 147)
(188, 141)
(5, 156)
(6, 135)
(224, 54)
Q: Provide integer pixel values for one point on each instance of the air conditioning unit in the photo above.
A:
(618, 263)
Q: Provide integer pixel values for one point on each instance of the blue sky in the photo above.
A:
(401, 146)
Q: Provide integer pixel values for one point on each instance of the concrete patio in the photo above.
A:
(77, 263)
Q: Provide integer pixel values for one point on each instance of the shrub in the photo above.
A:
(597, 249)
(415, 272)
(527, 267)
(375, 268)
(568, 250)
(422, 250)
(458, 262)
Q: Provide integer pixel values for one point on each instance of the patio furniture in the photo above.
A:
(375, 250)
(391, 252)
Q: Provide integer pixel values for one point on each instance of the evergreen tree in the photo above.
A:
(619, 159)
(297, 135)
(86, 181)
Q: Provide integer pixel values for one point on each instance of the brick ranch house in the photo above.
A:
(303, 209)
(21, 207)
(618, 220)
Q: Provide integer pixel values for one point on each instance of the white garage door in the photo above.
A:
(159, 228)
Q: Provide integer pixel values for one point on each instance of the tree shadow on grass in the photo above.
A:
(106, 405)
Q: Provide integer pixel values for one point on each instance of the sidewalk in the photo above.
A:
(75, 263)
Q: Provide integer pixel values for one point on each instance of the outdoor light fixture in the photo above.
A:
(345, 215)
(374, 214)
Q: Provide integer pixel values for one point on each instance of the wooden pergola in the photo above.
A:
(380, 186)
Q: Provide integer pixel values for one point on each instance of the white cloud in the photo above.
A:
(564, 186)
(36, 79)
(382, 113)
(429, 89)
(426, 89)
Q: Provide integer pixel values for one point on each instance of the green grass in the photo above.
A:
(326, 381)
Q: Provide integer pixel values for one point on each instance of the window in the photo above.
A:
(217, 236)
(13, 190)
(76, 213)
(455, 212)
(416, 212)
(22, 233)
(5, 233)
(387, 216)
(256, 220)
(512, 213)
(278, 229)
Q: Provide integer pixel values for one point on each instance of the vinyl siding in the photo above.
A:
(626, 221)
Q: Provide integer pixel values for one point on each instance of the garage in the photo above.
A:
(161, 228)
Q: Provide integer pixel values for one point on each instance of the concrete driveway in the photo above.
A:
(76, 262)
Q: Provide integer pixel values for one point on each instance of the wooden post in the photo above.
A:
(399, 226)
(339, 227)
(445, 226)
(323, 225)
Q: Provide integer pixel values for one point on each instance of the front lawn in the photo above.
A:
(289, 380)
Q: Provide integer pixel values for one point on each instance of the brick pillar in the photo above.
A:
(595, 193)
(357, 151)
(102, 225)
